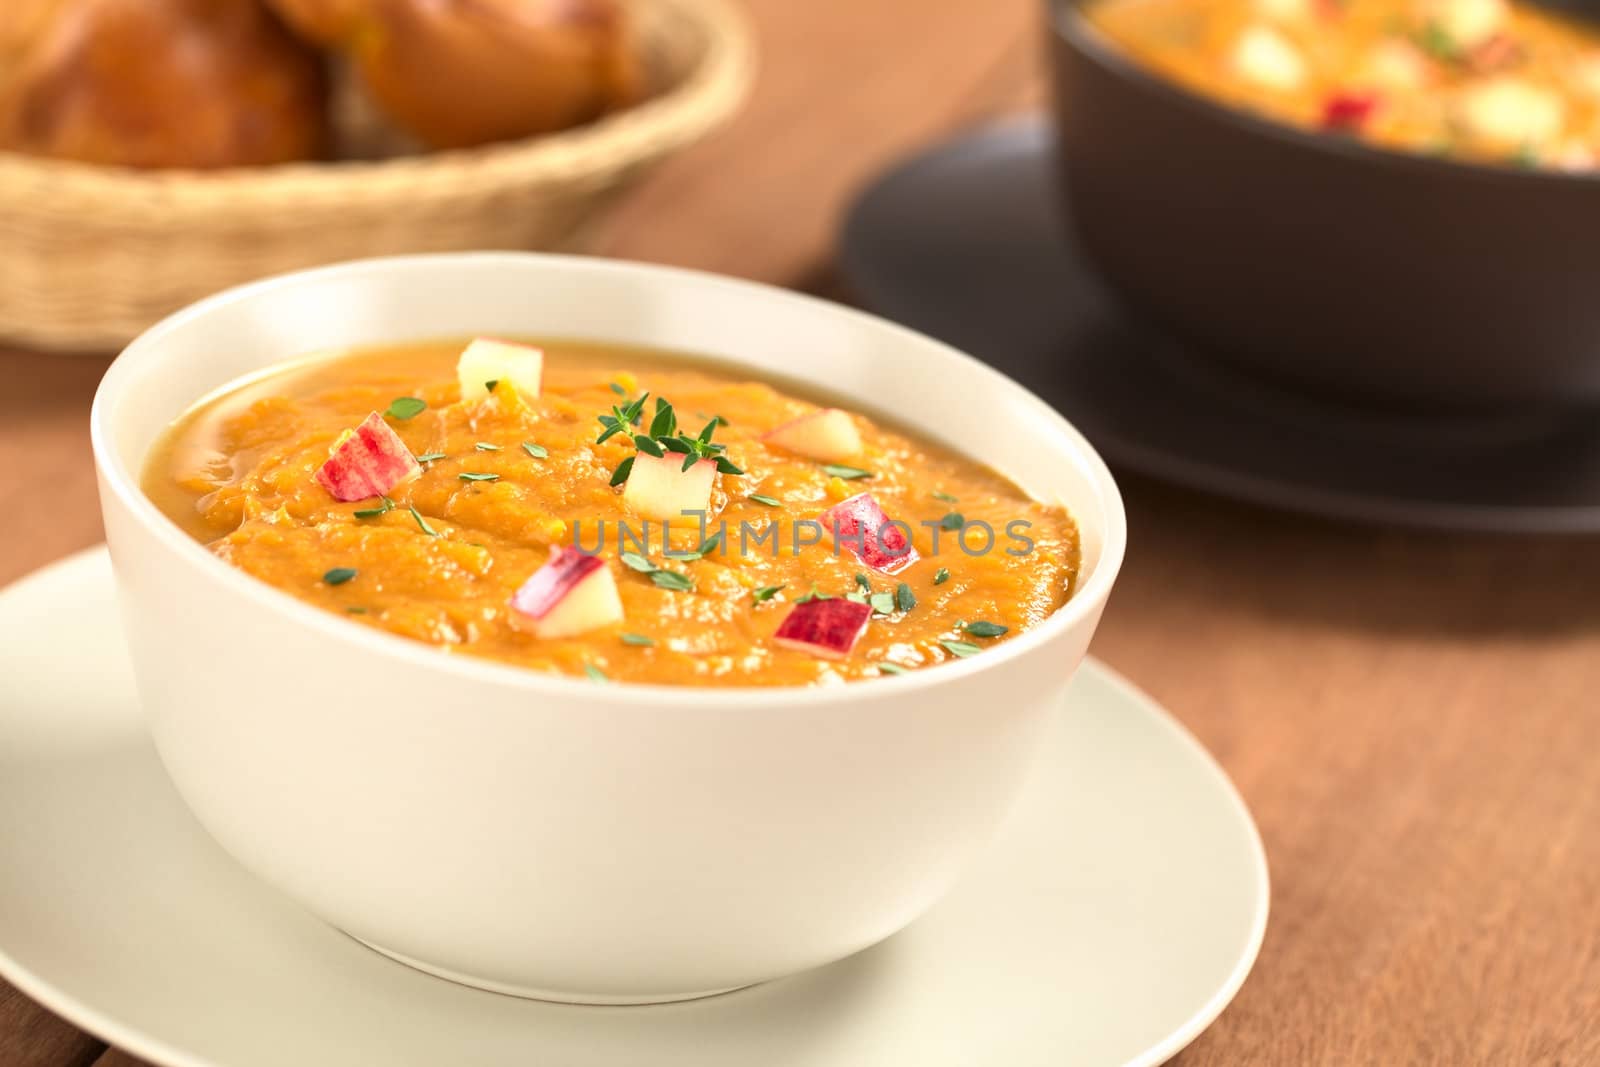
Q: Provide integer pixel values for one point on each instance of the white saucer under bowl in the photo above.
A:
(1115, 917)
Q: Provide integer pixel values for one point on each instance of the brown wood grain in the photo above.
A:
(32, 1037)
(1413, 718)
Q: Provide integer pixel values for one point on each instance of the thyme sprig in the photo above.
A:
(660, 576)
(622, 417)
(663, 436)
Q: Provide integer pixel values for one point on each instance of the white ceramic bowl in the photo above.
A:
(550, 836)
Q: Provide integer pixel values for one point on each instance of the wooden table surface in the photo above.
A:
(1413, 718)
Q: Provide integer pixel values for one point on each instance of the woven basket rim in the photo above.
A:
(698, 101)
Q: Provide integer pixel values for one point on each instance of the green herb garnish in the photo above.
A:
(430, 457)
(864, 582)
(701, 447)
(665, 422)
(708, 546)
(952, 521)
(904, 599)
(882, 603)
(595, 673)
(637, 640)
(491, 383)
(946, 497)
(815, 594)
(406, 407)
(891, 668)
(762, 498)
(485, 446)
(765, 593)
(339, 575)
(664, 437)
(422, 523)
(616, 387)
(621, 418)
(1435, 40)
(536, 451)
(372, 513)
(664, 579)
(941, 576)
(474, 476)
(672, 580)
(961, 649)
(985, 629)
(849, 474)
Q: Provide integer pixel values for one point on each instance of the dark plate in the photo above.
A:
(966, 243)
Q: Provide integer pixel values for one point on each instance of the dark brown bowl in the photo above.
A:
(1313, 259)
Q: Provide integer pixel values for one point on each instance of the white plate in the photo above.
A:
(1113, 920)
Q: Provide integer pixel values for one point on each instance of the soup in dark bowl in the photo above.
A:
(1473, 79)
(1317, 258)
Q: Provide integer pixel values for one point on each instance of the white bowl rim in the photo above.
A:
(125, 486)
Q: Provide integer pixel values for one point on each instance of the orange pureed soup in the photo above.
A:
(530, 521)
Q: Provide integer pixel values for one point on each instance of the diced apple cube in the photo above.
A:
(860, 526)
(571, 594)
(829, 435)
(486, 360)
(826, 628)
(367, 461)
(1393, 66)
(1511, 115)
(1466, 24)
(1284, 10)
(1264, 56)
(1499, 52)
(659, 488)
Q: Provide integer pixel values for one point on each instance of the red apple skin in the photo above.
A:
(551, 583)
(369, 463)
(826, 628)
(861, 518)
(1348, 110)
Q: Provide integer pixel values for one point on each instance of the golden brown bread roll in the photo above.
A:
(157, 83)
(326, 22)
(466, 72)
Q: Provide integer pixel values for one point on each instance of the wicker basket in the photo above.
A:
(89, 256)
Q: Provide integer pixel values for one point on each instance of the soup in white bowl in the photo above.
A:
(553, 836)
